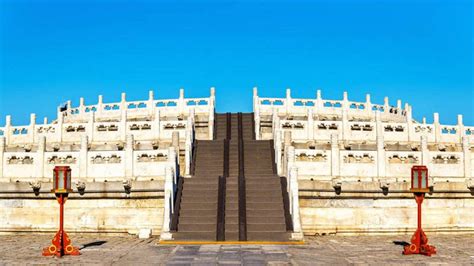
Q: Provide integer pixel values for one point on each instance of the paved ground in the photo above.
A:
(335, 250)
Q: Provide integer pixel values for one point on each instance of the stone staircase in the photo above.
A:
(234, 193)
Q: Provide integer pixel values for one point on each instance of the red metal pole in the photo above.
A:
(61, 223)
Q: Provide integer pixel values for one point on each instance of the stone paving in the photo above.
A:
(325, 250)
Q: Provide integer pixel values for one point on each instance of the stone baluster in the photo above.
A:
(319, 102)
(346, 129)
(278, 151)
(288, 102)
(212, 110)
(409, 119)
(295, 206)
(291, 158)
(156, 124)
(172, 162)
(425, 153)
(286, 145)
(368, 106)
(181, 103)
(335, 169)
(256, 112)
(100, 105)
(399, 107)
(467, 157)
(82, 107)
(45, 121)
(460, 131)
(175, 140)
(123, 127)
(437, 127)
(32, 128)
(40, 160)
(91, 126)
(83, 158)
(2, 154)
(129, 158)
(168, 204)
(8, 130)
(150, 106)
(59, 133)
(310, 125)
(386, 105)
(381, 161)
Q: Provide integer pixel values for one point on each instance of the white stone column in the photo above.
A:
(40, 160)
(346, 129)
(256, 112)
(212, 110)
(82, 107)
(437, 127)
(123, 124)
(151, 103)
(288, 102)
(410, 129)
(278, 152)
(175, 140)
(156, 125)
(425, 153)
(60, 128)
(310, 125)
(129, 159)
(319, 102)
(467, 157)
(83, 158)
(295, 206)
(172, 163)
(181, 103)
(460, 130)
(168, 205)
(8, 130)
(91, 126)
(386, 105)
(379, 130)
(335, 169)
(380, 157)
(286, 146)
(32, 127)
(291, 158)
(368, 106)
(99, 105)
(2, 155)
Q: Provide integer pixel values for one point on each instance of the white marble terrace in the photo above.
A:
(107, 141)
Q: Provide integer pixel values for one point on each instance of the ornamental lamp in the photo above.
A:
(62, 180)
(419, 179)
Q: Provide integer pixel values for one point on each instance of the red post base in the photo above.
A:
(419, 245)
(419, 241)
(61, 244)
(59, 249)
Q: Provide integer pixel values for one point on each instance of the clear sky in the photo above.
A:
(418, 51)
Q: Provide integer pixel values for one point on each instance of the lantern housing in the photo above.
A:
(62, 180)
(419, 179)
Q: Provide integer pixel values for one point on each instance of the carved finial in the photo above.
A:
(367, 98)
(81, 101)
(255, 91)
(213, 91)
(460, 120)
(288, 93)
(123, 97)
(101, 99)
(151, 95)
(345, 96)
(436, 118)
(181, 93)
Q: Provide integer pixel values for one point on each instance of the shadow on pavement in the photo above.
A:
(92, 244)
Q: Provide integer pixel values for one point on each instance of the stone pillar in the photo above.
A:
(175, 140)
(129, 158)
(156, 125)
(123, 124)
(168, 205)
(151, 103)
(40, 160)
(460, 130)
(288, 102)
(172, 161)
(2, 155)
(335, 170)
(386, 105)
(45, 121)
(409, 116)
(99, 105)
(380, 157)
(346, 129)
(310, 125)
(60, 129)
(8, 130)
(212, 99)
(32, 127)
(295, 206)
(379, 130)
(467, 157)
(290, 159)
(286, 145)
(82, 107)
(83, 158)
(399, 105)
(256, 112)
(91, 126)
(437, 127)
(278, 152)
(425, 153)
(368, 106)
(181, 104)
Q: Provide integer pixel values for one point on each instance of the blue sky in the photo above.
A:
(418, 51)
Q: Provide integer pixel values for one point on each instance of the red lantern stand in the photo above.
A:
(419, 241)
(61, 244)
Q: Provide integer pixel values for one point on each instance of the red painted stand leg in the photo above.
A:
(419, 241)
(61, 244)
